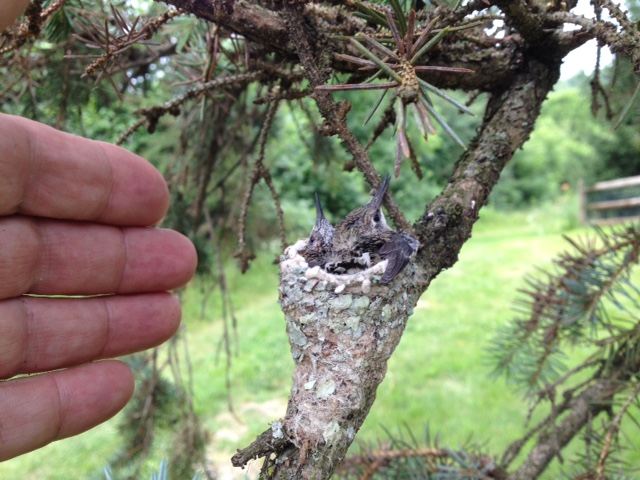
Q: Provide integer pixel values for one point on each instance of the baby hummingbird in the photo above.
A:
(398, 251)
(320, 239)
(364, 233)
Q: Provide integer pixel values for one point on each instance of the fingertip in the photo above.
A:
(174, 315)
(159, 259)
(121, 374)
(140, 322)
(44, 408)
(169, 307)
(190, 258)
(135, 182)
(92, 394)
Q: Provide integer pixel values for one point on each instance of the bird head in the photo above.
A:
(373, 210)
(322, 232)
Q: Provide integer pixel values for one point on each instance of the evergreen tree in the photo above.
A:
(216, 80)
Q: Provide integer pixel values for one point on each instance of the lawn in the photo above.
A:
(439, 376)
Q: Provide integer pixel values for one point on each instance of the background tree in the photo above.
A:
(225, 84)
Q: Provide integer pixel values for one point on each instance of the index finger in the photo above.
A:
(48, 173)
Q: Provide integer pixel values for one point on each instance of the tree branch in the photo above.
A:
(257, 23)
(509, 120)
(579, 410)
(493, 61)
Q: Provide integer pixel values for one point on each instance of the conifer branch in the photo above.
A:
(259, 172)
(567, 306)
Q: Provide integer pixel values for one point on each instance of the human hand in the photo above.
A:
(73, 221)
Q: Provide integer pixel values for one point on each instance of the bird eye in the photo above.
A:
(376, 217)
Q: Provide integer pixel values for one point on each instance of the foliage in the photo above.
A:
(410, 91)
(417, 458)
(569, 306)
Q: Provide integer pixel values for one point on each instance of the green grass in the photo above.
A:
(438, 377)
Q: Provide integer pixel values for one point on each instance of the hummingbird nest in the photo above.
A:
(342, 329)
(317, 275)
(344, 319)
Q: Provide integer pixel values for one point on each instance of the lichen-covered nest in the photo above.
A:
(342, 329)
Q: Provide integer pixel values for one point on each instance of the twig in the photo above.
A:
(116, 46)
(151, 115)
(31, 28)
(259, 172)
(264, 445)
(335, 113)
(614, 428)
(374, 461)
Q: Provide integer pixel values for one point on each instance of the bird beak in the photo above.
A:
(376, 201)
(319, 212)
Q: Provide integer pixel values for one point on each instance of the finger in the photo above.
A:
(41, 409)
(41, 334)
(70, 258)
(48, 173)
(9, 11)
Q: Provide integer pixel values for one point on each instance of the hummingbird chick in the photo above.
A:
(320, 239)
(364, 234)
(398, 251)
